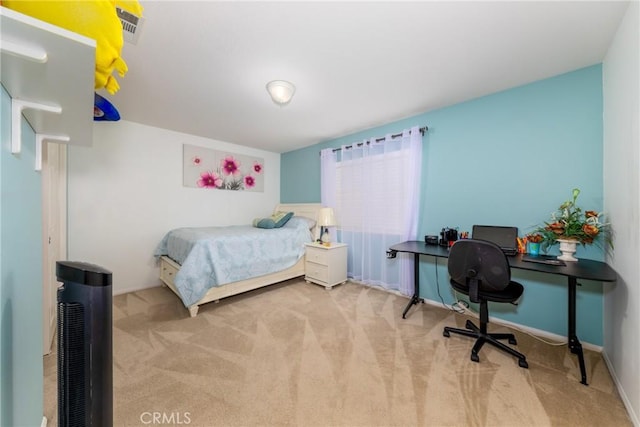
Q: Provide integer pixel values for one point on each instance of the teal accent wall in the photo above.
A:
(21, 390)
(509, 158)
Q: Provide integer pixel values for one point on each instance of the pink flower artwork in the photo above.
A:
(257, 167)
(249, 181)
(207, 168)
(209, 180)
(230, 166)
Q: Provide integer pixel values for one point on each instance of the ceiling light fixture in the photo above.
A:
(281, 91)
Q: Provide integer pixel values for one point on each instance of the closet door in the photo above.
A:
(54, 213)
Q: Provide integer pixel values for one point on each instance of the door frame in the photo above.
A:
(54, 172)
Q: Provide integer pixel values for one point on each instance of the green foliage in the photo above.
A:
(571, 223)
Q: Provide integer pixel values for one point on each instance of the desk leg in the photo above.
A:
(574, 342)
(415, 299)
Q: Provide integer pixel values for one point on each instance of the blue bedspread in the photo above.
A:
(214, 256)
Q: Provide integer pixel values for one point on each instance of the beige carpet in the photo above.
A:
(295, 354)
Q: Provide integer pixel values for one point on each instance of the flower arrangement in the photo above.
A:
(534, 238)
(570, 223)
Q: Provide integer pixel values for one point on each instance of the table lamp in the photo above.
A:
(326, 219)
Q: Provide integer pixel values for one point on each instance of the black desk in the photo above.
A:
(582, 269)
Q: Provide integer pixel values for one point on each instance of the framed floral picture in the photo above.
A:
(220, 170)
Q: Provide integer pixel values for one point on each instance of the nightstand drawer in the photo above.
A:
(326, 265)
(317, 255)
(317, 271)
(167, 272)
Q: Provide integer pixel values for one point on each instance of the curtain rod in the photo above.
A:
(359, 144)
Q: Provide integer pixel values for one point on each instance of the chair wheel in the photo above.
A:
(446, 333)
(523, 363)
(513, 341)
(475, 358)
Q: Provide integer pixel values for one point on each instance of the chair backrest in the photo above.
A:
(479, 261)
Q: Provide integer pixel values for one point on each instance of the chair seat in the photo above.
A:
(511, 293)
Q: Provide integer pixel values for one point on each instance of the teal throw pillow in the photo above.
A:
(276, 220)
(281, 218)
(264, 223)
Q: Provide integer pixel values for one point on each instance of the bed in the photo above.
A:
(188, 268)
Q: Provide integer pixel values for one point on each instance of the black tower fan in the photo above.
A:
(85, 352)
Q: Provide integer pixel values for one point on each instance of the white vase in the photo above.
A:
(568, 248)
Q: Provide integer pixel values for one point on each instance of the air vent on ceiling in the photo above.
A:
(131, 25)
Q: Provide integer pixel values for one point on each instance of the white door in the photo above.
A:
(54, 208)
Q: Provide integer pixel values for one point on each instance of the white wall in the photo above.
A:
(125, 192)
(621, 90)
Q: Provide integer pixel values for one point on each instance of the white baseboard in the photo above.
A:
(158, 284)
(526, 329)
(623, 396)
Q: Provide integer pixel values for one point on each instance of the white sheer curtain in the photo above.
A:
(374, 189)
(328, 161)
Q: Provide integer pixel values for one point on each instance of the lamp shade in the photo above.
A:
(326, 217)
(281, 91)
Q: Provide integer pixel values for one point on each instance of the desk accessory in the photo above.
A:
(448, 236)
(431, 239)
(543, 259)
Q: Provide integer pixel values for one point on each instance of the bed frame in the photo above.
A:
(169, 268)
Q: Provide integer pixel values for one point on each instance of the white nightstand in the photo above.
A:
(326, 265)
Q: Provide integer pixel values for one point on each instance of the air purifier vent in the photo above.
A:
(71, 366)
(131, 25)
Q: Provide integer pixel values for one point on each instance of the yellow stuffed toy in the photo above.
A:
(96, 19)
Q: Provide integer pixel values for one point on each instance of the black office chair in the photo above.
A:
(480, 269)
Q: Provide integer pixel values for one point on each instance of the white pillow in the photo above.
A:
(295, 220)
